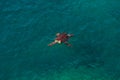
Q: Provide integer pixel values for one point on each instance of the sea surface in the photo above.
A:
(28, 26)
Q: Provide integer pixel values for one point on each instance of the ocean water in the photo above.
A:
(28, 26)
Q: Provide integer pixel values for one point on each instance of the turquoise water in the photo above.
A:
(28, 26)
